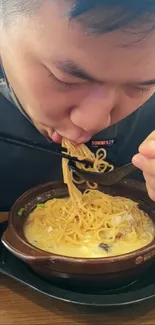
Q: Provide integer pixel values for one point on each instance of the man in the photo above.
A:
(76, 69)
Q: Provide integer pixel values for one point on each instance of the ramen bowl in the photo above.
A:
(95, 272)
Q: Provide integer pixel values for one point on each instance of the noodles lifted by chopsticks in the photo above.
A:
(82, 152)
(89, 216)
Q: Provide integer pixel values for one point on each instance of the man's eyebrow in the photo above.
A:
(146, 83)
(70, 68)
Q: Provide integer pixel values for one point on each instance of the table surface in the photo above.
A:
(21, 305)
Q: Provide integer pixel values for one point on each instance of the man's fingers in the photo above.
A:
(150, 180)
(151, 192)
(147, 148)
(146, 165)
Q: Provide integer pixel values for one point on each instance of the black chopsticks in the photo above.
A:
(27, 143)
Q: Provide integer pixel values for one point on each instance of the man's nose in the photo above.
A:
(93, 114)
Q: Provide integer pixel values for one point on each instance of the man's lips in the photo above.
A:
(56, 137)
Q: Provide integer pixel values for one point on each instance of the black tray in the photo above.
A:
(140, 290)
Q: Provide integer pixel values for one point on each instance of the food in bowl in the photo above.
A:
(102, 226)
(89, 224)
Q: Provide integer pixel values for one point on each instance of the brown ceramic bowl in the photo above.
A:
(112, 271)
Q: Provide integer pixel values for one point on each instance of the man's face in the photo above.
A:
(73, 84)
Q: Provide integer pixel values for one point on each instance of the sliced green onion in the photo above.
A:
(20, 211)
(40, 205)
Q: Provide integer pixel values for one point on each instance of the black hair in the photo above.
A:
(97, 16)
(108, 15)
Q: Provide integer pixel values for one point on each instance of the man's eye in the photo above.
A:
(135, 91)
(139, 91)
(63, 83)
(143, 90)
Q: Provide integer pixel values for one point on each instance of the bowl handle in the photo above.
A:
(20, 248)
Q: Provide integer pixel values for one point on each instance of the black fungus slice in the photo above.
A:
(104, 246)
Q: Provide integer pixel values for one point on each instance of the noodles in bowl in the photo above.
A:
(91, 224)
(112, 228)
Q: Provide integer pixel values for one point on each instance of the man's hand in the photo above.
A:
(145, 160)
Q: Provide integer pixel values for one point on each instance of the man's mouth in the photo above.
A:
(56, 137)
